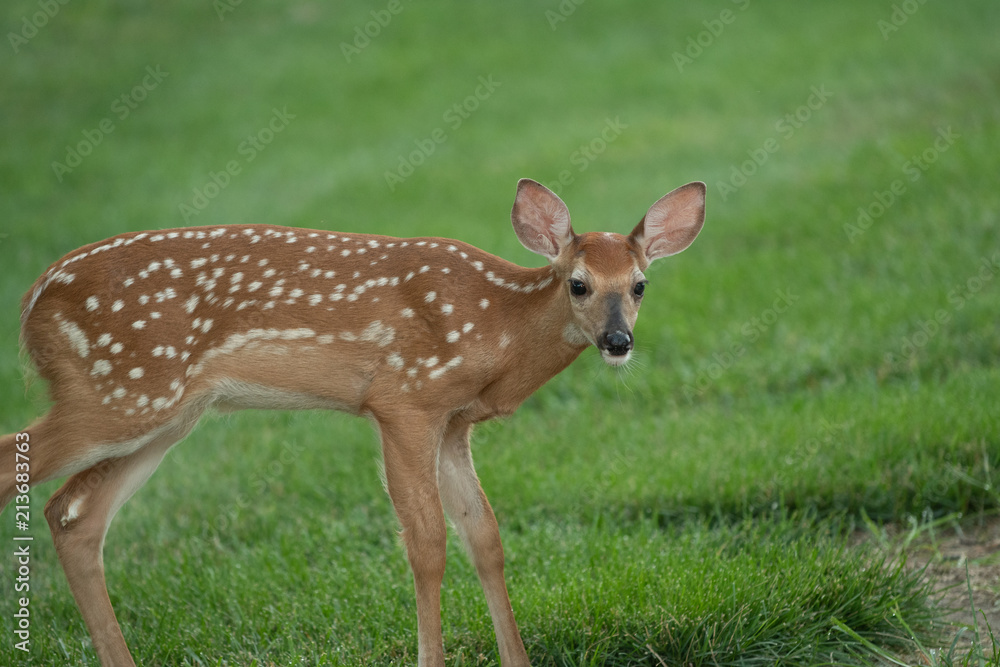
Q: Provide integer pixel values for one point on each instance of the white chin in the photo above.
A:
(612, 360)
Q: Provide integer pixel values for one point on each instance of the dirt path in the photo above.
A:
(975, 546)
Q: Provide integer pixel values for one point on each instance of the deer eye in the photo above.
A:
(639, 288)
(577, 288)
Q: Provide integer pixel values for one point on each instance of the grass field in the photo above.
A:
(822, 360)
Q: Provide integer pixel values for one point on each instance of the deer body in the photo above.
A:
(140, 334)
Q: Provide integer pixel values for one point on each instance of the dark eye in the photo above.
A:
(577, 288)
(639, 288)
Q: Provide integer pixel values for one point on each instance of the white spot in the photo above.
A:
(119, 392)
(72, 512)
(254, 286)
(104, 340)
(345, 252)
(158, 351)
(206, 326)
(424, 268)
(77, 338)
(142, 401)
(191, 303)
(116, 348)
(446, 270)
(430, 296)
(92, 303)
(438, 372)
(101, 367)
(139, 324)
(176, 273)
(447, 308)
(198, 263)
(467, 327)
(395, 361)
(329, 274)
(159, 403)
(378, 333)
(136, 373)
(406, 312)
(478, 265)
(268, 273)
(315, 299)
(144, 299)
(117, 305)
(484, 304)
(154, 315)
(452, 336)
(504, 340)
(236, 277)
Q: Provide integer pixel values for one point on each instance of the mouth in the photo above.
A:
(616, 359)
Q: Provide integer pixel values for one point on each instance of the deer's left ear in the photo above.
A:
(673, 222)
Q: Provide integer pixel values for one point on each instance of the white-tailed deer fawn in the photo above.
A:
(139, 334)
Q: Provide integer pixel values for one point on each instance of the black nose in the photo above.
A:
(617, 343)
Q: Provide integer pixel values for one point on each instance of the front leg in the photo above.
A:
(476, 524)
(410, 449)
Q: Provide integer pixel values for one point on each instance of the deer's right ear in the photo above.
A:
(673, 222)
(540, 219)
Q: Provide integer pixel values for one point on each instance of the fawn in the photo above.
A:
(139, 334)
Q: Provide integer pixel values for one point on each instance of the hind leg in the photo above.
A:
(70, 438)
(79, 514)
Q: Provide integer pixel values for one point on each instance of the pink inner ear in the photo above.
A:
(541, 219)
(673, 222)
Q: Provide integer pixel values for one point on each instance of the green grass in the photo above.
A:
(695, 509)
